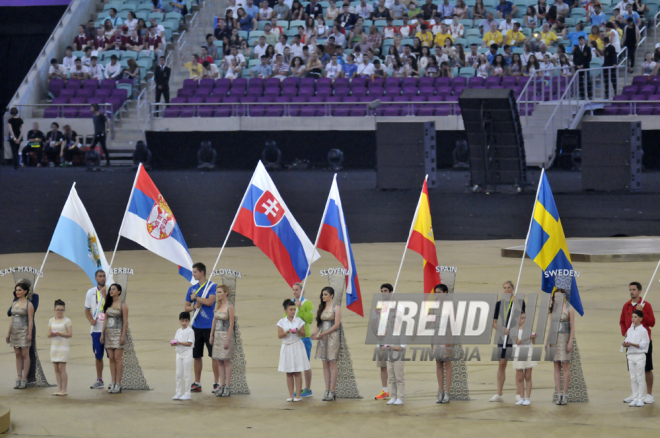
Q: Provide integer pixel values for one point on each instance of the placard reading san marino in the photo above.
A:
(26, 269)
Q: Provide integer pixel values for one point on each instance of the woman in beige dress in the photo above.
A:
(328, 319)
(564, 347)
(113, 335)
(222, 338)
(20, 332)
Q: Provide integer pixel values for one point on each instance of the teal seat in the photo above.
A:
(145, 63)
(256, 33)
(144, 7)
(467, 72)
(243, 34)
(291, 33)
(123, 15)
(471, 32)
(254, 62)
(174, 22)
(475, 40)
(293, 24)
(127, 7)
(461, 41)
(407, 41)
(283, 24)
(467, 24)
(109, 53)
(146, 55)
(129, 54)
(157, 15)
(78, 53)
(246, 73)
(173, 15)
(261, 25)
(329, 23)
(578, 12)
(143, 15)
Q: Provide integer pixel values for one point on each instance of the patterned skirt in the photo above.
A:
(18, 336)
(327, 347)
(219, 352)
(561, 355)
(112, 339)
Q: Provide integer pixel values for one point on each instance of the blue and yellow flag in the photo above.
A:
(547, 244)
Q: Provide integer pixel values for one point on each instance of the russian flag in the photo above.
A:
(334, 239)
(265, 219)
(149, 221)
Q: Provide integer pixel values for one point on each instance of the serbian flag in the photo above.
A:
(149, 221)
(334, 239)
(422, 242)
(265, 219)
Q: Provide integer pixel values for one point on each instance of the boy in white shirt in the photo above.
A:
(637, 343)
(69, 61)
(183, 341)
(95, 70)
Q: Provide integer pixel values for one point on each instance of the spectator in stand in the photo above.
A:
(330, 47)
(640, 7)
(142, 30)
(313, 9)
(221, 30)
(195, 68)
(456, 28)
(250, 8)
(446, 10)
(69, 60)
(406, 30)
(473, 56)
(95, 70)
(52, 146)
(389, 31)
(162, 79)
(346, 20)
(79, 71)
(486, 24)
(81, 40)
(577, 33)
(321, 30)
(530, 20)
(282, 11)
(631, 38)
(177, 7)
(425, 37)
(516, 67)
(90, 30)
(547, 36)
(56, 71)
(240, 59)
(275, 28)
(478, 12)
(160, 30)
(211, 48)
(125, 37)
(349, 69)
(506, 7)
(100, 41)
(609, 60)
(114, 19)
(429, 10)
(364, 10)
(632, 14)
(365, 69)
(435, 27)
(281, 69)
(35, 143)
(648, 66)
(622, 4)
(381, 13)
(210, 70)
(333, 69)
(379, 70)
(493, 36)
(279, 47)
(590, 8)
(432, 69)
(296, 46)
(244, 21)
(205, 56)
(412, 69)
(132, 73)
(332, 12)
(398, 10)
(265, 12)
(314, 67)
(598, 17)
(157, 6)
(131, 21)
(235, 40)
(321, 55)
(135, 43)
(461, 10)
(562, 8)
(87, 57)
(442, 36)
(613, 36)
(231, 9)
(232, 69)
(423, 59)
(297, 67)
(515, 37)
(71, 143)
(375, 39)
(398, 70)
(260, 48)
(297, 11)
(506, 24)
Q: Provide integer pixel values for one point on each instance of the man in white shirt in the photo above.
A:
(79, 71)
(637, 342)
(260, 49)
(365, 69)
(296, 47)
(364, 10)
(240, 59)
(112, 70)
(562, 8)
(69, 60)
(621, 6)
(266, 12)
(94, 301)
(340, 38)
(232, 7)
(210, 70)
(86, 60)
(160, 30)
(439, 56)
(507, 24)
(56, 71)
(116, 21)
(333, 69)
(279, 47)
(95, 70)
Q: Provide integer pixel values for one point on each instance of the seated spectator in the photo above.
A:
(330, 48)
(142, 29)
(114, 19)
(418, 22)
(365, 69)
(279, 47)
(297, 11)
(271, 37)
(52, 145)
(260, 48)
(389, 31)
(397, 10)
(649, 65)
(516, 67)
(125, 37)
(157, 6)
(547, 36)
(565, 64)
(313, 10)
(321, 55)
(235, 39)
(270, 53)
(338, 34)
(546, 66)
(429, 10)
(296, 46)
(487, 24)
(530, 19)
(282, 11)
(479, 13)
(81, 40)
(346, 20)
(446, 10)
(333, 69)
(440, 56)
(205, 56)
(456, 28)
(134, 43)
(590, 7)
(527, 52)
(435, 26)
(265, 12)
(412, 70)
(221, 30)
(240, 59)
(381, 13)
(507, 54)
(211, 48)
(506, 24)
(598, 17)
(309, 30)
(160, 30)
(314, 67)
(498, 66)
(482, 66)
(594, 36)
(562, 8)
(364, 10)
(375, 39)
(407, 30)
(349, 68)
(95, 70)
(250, 8)
(492, 52)
(532, 67)
(90, 30)
(195, 68)
(244, 21)
(473, 56)
(442, 36)
(297, 67)
(57, 71)
(577, 33)
(210, 70)
(132, 73)
(275, 28)
(446, 71)
(232, 69)
(332, 12)
(506, 7)
(100, 41)
(515, 37)
(321, 30)
(461, 10)
(177, 7)
(69, 60)
(71, 143)
(87, 57)
(398, 70)
(425, 37)
(632, 14)
(35, 143)
(493, 36)
(131, 21)
(423, 59)
(79, 71)
(281, 69)
(432, 69)
(379, 70)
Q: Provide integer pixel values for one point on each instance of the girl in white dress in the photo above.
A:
(293, 357)
(60, 331)
(523, 367)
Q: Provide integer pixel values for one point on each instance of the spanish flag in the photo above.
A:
(422, 241)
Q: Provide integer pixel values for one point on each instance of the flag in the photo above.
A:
(547, 245)
(265, 219)
(334, 239)
(75, 238)
(422, 241)
(149, 221)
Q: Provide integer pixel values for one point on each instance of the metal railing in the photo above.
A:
(620, 61)
(529, 97)
(243, 109)
(141, 101)
(656, 23)
(634, 105)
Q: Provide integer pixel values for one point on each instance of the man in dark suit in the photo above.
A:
(581, 60)
(609, 60)
(162, 78)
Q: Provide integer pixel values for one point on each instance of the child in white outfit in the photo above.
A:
(637, 343)
(183, 341)
(523, 366)
(293, 357)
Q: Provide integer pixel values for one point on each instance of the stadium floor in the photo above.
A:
(156, 295)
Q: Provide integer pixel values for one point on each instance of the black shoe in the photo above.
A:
(195, 388)
(216, 386)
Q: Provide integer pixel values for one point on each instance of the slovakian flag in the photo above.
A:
(334, 239)
(422, 241)
(149, 221)
(265, 219)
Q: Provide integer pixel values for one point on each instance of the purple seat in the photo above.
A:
(341, 83)
(442, 82)
(307, 82)
(266, 99)
(207, 83)
(341, 92)
(393, 90)
(306, 90)
(655, 80)
(237, 92)
(86, 92)
(294, 110)
(426, 82)
(74, 83)
(392, 82)
(646, 111)
(358, 83)
(376, 92)
(458, 90)
(239, 83)
(655, 97)
(125, 81)
(640, 80)
(272, 93)
(647, 89)
(359, 91)
(611, 110)
(459, 81)
(409, 82)
(72, 111)
(375, 82)
(68, 93)
(256, 83)
(410, 91)
(313, 110)
(323, 82)
(208, 111)
(108, 83)
(640, 97)
(289, 91)
(53, 111)
(219, 92)
(190, 83)
(91, 83)
(116, 103)
(223, 83)
(255, 91)
(443, 89)
(630, 90)
(185, 92)
(121, 93)
(290, 83)
(55, 87)
(476, 81)
(324, 92)
(203, 92)
(492, 81)
(426, 90)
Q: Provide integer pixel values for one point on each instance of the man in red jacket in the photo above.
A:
(649, 321)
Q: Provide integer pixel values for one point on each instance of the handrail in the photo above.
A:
(642, 39)
(623, 61)
(178, 42)
(141, 101)
(656, 21)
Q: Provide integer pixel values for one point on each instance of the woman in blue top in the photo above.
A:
(244, 21)
(349, 68)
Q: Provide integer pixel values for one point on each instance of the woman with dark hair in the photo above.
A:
(235, 40)
(226, 46)
(142, 30)
(245, 49)
(131, 21)
(432, 70)
(530, 20)
(244, 21)
(498, 68)
(398, 70)
(459, 60)
(15, 129)
(631, 39)
(297, 67)
(108, 29)
(297, 11)
(445, 70)
(71, 145)
(310, 30)
(532, 67)
(293, 357)
(113, 335)
(270, 52)
(551, 15)
(222, 338)
(391, 56)
(478, 12)
(564, 346)
(60, 331)
(416, 47)
(229, 19)
(20, 332)
(424, 57)
(133, 73)
(328, 318)
(412, 69)
(542, 10)
(156, 5)
(516, 67)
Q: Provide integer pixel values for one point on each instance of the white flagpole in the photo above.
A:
(650, 282)
(130, 198)
(208, 281)
(316, 242)
(412, 225)
(522, 261)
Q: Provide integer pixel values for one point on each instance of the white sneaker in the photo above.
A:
(289, 399)
(496, 398)
(391, 401)
(518, 397)
(519, 402)
(640, 403)
(176, 397)
(297, 399)
(185, 397)
(629, 399)
(649, 399)
(398, 401)
(633, 403)
(527, 402)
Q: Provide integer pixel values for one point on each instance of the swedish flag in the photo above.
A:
(547, 245)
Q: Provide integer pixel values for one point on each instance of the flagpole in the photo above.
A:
(208, 281)
(650, 282)
(130, 198)
(522, 261)
(412, 225)
(316, 242)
